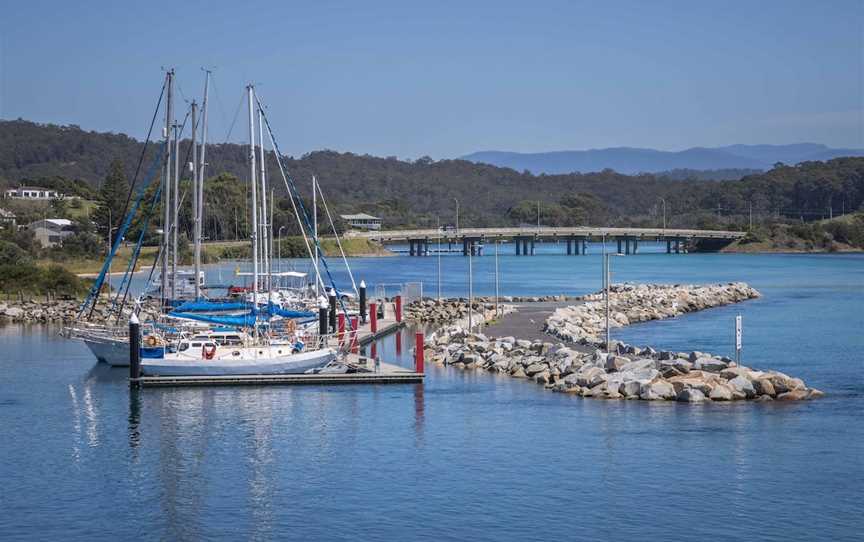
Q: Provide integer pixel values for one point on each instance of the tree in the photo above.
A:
(112, 198)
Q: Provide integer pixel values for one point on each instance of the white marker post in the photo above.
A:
(738, 339)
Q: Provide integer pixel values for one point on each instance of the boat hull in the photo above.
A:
(286, 364)
(113, 352)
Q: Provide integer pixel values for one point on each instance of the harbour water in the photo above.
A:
(468, 455)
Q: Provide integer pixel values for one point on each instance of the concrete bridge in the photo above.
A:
(524, 239)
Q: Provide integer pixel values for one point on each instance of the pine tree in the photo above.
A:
(112, 198)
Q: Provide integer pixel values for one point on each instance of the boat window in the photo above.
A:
(194, 345)
(183, 346)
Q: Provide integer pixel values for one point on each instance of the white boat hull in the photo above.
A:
(114, 352)
(268, 363)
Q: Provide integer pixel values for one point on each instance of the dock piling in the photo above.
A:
(418, 352)
(398, 308)
(362, 294)
(322, 320)
(331, 298)
(355, 329)
(373, 317)
(134, 351)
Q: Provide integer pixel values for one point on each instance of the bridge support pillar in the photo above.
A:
(464, 247)
(626, 245)
(677, 246)
(532, 246)
(635, 245)
(584, 246)
(619, 245)
(570, 247)
(410, 247)
(516, 242)
(668, 246)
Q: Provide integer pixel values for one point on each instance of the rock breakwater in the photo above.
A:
(626, 371)
(628, 304)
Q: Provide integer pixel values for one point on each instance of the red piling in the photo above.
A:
(373, 317)
(355, 329)
(418, 352)
(398, 308)
(341, 318)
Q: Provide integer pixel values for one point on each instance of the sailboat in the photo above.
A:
(194, 357)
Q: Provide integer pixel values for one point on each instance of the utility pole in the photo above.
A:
(438, 222)
(470, 291)
(457, 215)
(496, 278)
(663, 200)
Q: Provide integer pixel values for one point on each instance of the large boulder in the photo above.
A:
(691, 395)
(659, 390)
(630, 388)
(535, 368)
(590, 376)
(615, 363)
(763, 386)
(711, 365)
(793, 395)
(721, 392)
(637, 365)
(742, 385)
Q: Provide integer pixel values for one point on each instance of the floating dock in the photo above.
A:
(366, 373)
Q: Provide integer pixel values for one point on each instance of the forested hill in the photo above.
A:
(423, 191)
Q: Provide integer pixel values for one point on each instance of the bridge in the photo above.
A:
(524, 238)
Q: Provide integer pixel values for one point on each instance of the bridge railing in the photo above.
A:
(388, 235)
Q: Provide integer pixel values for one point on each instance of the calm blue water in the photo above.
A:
(468, 455)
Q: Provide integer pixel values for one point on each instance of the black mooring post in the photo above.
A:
(134, 351)
(363, 301)
(333, 309)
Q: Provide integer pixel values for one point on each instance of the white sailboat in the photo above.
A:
(203, 357)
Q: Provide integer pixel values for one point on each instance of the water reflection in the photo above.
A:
(134, 418)
(419, 413)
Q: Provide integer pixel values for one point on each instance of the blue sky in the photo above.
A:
(448, 78)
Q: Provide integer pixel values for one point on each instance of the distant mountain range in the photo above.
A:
(629, 160)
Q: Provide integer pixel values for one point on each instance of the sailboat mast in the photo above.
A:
(315, 232)
(265, 247)
(200, 182)
(254, 182)
(175, 210)
(196, 210)
(270, 237)
(166, 189)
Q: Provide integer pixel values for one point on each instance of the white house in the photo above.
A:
(50, 232)
(33, 192)
(363, 221)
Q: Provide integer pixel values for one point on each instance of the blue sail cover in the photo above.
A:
(238, 320)
(210, 306)
(278, 311)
